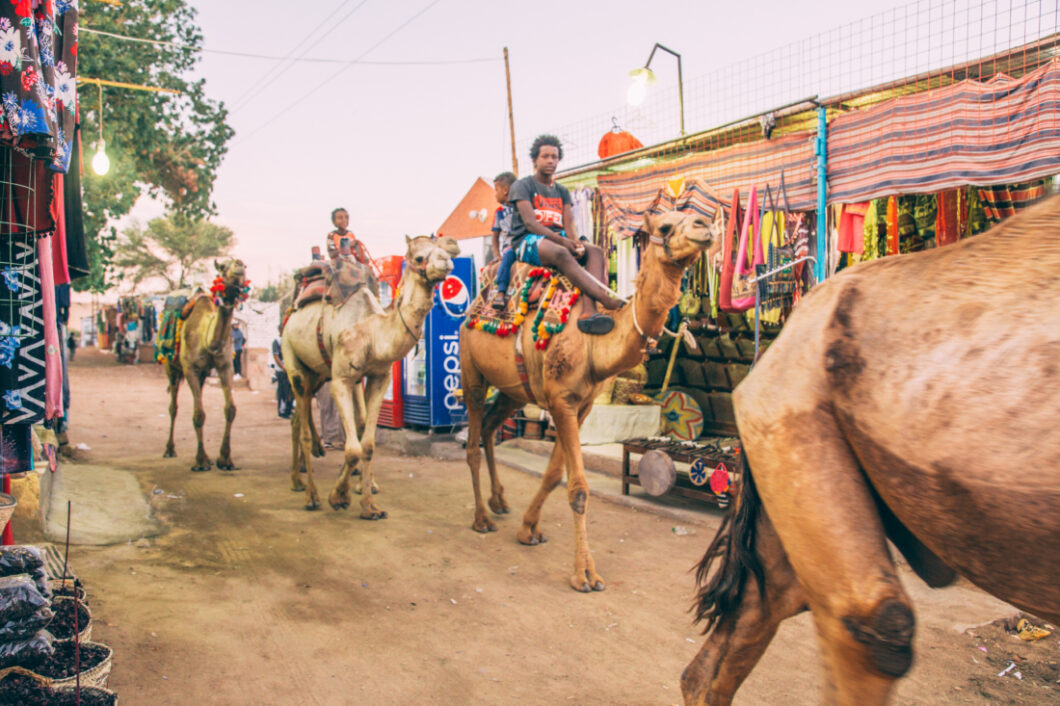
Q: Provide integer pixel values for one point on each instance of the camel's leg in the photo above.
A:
(835, 542)
(740, 637)
(198, 419)
(343, 393)
(360, 413)
(303, 382)
(584, 578)
(224, 456)
(495, 417)
(175, 376)
(318, 445)
(296, 450)
(375, 390)
(529, 533)
(475, 403)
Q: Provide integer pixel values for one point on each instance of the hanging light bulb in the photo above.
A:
(101, 162)
(638, 89)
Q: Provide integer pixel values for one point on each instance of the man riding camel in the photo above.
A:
(544, 234)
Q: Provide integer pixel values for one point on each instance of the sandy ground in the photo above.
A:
(252, 600)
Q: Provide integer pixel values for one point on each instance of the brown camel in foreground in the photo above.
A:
(362, 342)
(566, 378)
(915, 398)
(205, 345)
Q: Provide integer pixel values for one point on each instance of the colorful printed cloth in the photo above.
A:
(38, 70)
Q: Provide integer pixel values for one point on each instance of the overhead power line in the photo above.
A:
(330, 79)
(304, 59)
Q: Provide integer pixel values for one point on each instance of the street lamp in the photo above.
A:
(644, 77)
(101, 163)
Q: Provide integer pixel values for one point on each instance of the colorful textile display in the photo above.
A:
(910, 145)
(22, 379)
(1000, 202)
(38, 70)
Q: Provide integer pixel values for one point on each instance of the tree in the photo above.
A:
(169, 248)
(168, 146)
(275, 291)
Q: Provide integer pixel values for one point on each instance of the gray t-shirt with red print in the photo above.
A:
(547, 202)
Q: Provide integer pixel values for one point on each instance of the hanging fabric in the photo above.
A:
(947, 218)
(616, 141)
(892, 226)
(739, 295)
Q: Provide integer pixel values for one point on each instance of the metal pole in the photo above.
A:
(681, 93)
(511, 117)
(821, 149)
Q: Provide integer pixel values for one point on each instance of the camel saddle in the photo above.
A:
(515, 284)
(316, 281)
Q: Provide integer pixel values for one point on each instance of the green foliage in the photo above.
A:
(169, 146)
(274, 291)
(169, 248)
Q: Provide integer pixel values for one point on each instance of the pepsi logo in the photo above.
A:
(452, 296)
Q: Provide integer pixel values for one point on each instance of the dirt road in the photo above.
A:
(249, 599)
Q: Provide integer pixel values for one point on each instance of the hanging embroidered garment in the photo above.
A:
(892, 225)
(22, 382)
(53, 364)
(1000, 202)
(947, 218)
(582, 207)
(38, 69)
(617, 142)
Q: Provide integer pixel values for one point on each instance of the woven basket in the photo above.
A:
(86, 629)
(7, 509)
(624, 387)
(89, 691)
(56, 584)
(97, 676)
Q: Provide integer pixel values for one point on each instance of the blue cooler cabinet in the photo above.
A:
(432, 367)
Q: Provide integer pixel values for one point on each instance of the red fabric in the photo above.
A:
(53, 364)
(58, 211)
(852, 227)
(947, 221)
(892, 225)
(613, 143)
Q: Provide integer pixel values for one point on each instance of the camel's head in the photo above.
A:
(431, 258)
(231, 283)
(679, 238)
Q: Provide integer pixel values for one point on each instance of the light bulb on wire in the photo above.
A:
(638, 88)
(101, 162)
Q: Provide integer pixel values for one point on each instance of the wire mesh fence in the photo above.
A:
(907, 49)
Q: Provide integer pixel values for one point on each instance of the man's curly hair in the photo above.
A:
(541, 141)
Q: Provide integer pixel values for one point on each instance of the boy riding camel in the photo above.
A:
(544, 234)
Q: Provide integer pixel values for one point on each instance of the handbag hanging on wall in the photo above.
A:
(737, 291)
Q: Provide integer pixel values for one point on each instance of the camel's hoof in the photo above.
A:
(374, 515)
(582, 588)
(313, 505)
(200, 469)
(532, 539)
(318, 451)
(170, 453)
(499, 506)
(298, 488)
(484, 527)
(599, 586)
(339, 506)
(226, 466)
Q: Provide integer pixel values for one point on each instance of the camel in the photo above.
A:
(352, 341)
(567, 376)
(915, 399)
(205, 345)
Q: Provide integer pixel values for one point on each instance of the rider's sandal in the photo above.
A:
(596, 325)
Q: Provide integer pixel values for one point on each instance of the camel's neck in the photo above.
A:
(658, 290)
(410, 310)
(222, 329)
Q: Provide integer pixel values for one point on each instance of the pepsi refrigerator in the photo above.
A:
(432, 367)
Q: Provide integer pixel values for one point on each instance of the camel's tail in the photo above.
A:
(720, 592)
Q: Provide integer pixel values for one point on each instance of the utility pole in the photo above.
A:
(511, 118)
